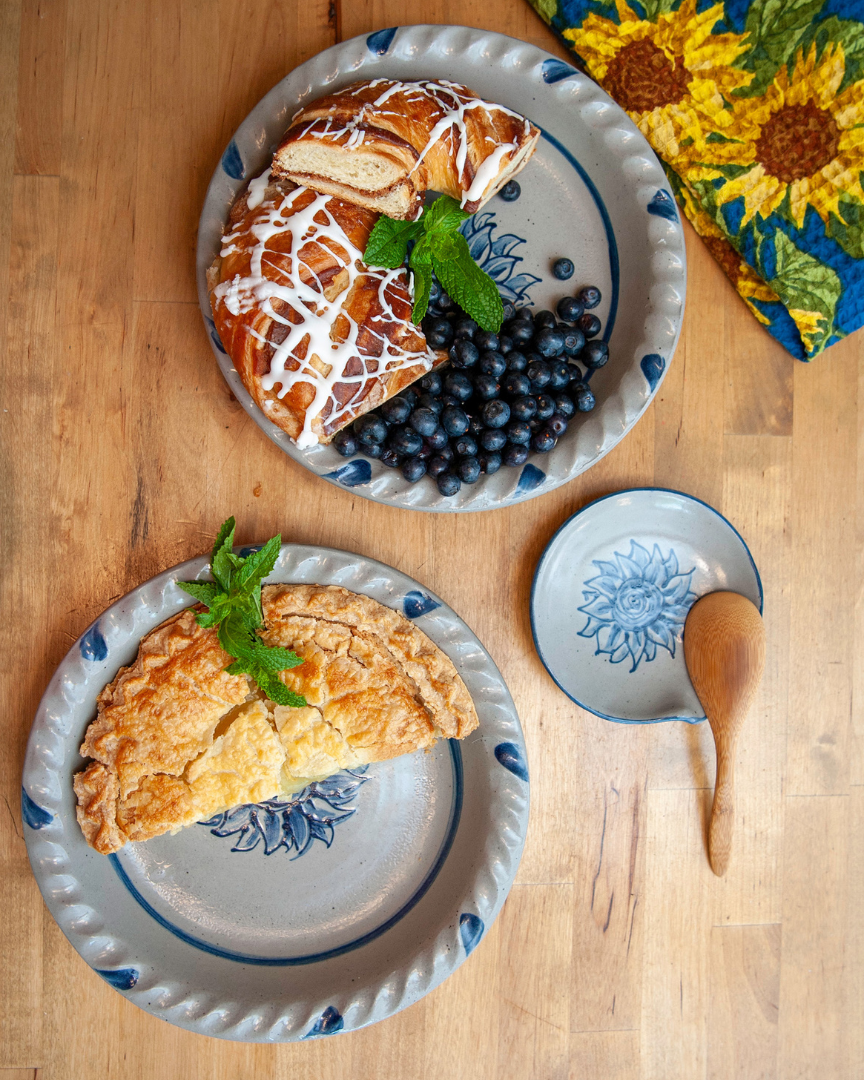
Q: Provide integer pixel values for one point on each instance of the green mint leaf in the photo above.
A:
(472, 289)
(220, 563)
(235, 638)
(421, 267)
(205, 592)
(444, 215)
(257, 566)
(274, 659)
(277, 691)
(388, 242)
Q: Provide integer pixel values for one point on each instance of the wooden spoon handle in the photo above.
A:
(722, 815)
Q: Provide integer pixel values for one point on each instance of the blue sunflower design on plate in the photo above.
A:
(637, 604)
(292, 822)
(495, 256)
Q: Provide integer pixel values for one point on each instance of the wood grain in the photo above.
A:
(618, 955)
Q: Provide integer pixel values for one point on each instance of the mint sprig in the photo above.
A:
(441, 249)
(233, 602)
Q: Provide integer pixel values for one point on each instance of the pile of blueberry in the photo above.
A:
(500, 397)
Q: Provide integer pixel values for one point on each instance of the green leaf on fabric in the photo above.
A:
(717, 137)
(546, 9)
(805, 284)
(844, 32)
(848, 229)
(655, 8)
(775, 28)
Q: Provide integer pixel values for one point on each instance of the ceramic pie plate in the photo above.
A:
(300, 917)
(611, 593)
(594, 192)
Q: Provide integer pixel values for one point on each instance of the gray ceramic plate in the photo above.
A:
(611, 593)
(594, 192)
(294, 918)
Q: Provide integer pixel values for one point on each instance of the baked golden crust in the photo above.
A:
(383, 143)
(317, 337)
(177, 740)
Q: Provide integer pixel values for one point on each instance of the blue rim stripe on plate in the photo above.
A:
(328, 1023)
(329, 954)
(471, 929)
(119, 978)
(380, 42)
(561, 527)
(32, 813)
(92, 644)
(511, 757)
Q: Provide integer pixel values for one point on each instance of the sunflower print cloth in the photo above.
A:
(756, 109)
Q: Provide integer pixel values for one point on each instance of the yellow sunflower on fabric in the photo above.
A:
(671, 75)
(800, 138)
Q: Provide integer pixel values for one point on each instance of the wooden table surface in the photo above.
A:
(618, 954)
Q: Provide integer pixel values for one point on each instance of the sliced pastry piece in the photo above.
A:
(177, 739)
(317, 337)
(383, 144)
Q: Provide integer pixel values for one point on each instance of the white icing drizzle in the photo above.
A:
(313, 223)
(450, 100)
(257, 188)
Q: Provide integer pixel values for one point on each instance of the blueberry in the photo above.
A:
(486, 387)
(448, 399)
(489, 462)
(569, 309)
(446, 452)
(485, 340)
(505, 344)
(518, 432)
(523, 408)
(438, 439)
(574, 340)
(431, 383)
(435, 291)
(539, 374)
(589, 325)
(464, 354)
(404, 441)
(391, 458)
(345, 442)
(543, 441)
(545, 320)
(511, 191)
(516, 361)
(464, 329)
(468, 470)
(370, 429)
(590, 296)
(455, 421)
(465, 446)
(425, 451)
(557, 424)
(445, 302)
(516, 384)
(493, 439)
(438, 328)
(595, 354)
(429, 401)
(376, 450)
(495, 413)
(575, 372)
(413, 469)
(564, 406)
(448, 482)
(521, 331)
(563, 269)
(509, 311)
(545, 406)
(582, 397)
(493, 363)
(458, 385)
(437, 465)
(409, 396)
(549, 343)
(475, 427)
(514, 455)
(424, 421)
(560, 375)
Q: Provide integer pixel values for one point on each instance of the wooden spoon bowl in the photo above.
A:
(724, 648)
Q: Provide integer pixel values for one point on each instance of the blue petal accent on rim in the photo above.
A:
(556, 70)
(217, 341)
(356, 472)
(417, 603)
(511, 757)
(92, 645)
(653, 365)
(381, 40)
(531, 478)
(663, 205)
(120, 978)
(328, 1023)
(33, 814)
(250, 550)
(232, 163)
(471, 929)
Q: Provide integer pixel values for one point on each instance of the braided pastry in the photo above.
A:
(382, 144)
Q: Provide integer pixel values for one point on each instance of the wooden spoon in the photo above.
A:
(724, 648)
